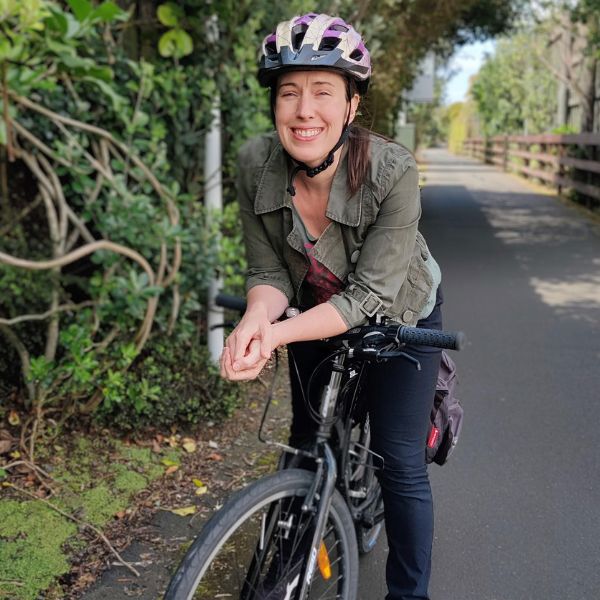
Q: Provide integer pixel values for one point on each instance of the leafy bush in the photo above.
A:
(113, 145)
(168, 384)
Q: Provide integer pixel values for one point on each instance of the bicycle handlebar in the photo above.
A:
(406, 335)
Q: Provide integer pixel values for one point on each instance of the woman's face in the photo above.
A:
(311, 108)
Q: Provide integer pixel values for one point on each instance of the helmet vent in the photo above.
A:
(339, 28)
(329, 43)
(270, 48)
(356, 54)
(298, 33)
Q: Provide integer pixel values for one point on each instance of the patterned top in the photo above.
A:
(323, 283)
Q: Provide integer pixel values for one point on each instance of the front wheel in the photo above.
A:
(256, 547)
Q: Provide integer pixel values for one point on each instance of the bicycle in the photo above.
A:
(296, 534)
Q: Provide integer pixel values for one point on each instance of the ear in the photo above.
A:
(354, 102)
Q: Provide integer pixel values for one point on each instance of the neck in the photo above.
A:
(321, 183)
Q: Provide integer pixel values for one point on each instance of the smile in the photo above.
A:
(307, 133)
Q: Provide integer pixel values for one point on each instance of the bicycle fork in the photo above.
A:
(324, 499)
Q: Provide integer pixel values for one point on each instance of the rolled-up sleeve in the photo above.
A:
(265, 267)
(387, 250)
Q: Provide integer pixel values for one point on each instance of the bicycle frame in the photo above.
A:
(319, 497)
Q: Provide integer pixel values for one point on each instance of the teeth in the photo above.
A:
(307, 132)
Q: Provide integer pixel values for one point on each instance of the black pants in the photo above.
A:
(400, 400)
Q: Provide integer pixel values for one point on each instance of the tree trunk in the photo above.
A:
(590, 71)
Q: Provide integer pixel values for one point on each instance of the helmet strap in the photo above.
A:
(313, 171)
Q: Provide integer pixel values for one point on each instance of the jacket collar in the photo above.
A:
(271, 193)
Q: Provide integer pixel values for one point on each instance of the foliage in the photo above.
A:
(92, 480)
(461, 120)
(401, 33)
(127, 182)
(166, 386)
(428, 118)
(514, 91)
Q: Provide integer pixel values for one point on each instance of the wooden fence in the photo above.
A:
(565, 162)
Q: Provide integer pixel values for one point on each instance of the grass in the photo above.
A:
(95, 479)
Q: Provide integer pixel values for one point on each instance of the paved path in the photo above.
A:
(518, 506)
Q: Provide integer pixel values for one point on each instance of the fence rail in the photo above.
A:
(565, 162)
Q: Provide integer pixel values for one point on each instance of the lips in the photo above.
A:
(307, 134)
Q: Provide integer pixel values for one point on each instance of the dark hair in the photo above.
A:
(359, 160)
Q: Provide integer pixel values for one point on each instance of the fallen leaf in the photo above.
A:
(16, 454)
(214, 456)
(169, 463)
(201, 490)
(213, 445)
(184, 512)
(13, 418)
(197, 482)
(5, 446)
(155, 447)
(120, 514)
(171, 469)
(189, 445)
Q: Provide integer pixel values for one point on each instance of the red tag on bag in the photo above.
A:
(434, 434)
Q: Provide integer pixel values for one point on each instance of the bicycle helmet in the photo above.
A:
(315, 41)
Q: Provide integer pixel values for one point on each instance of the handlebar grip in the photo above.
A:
(232, 302)
(451, 340)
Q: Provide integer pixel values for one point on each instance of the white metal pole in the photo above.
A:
(213, 200)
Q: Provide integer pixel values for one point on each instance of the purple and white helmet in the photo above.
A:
(315, 42)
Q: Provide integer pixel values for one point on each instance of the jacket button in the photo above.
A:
(354, 257)
(407, 316)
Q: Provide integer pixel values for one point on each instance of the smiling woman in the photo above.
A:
(308, 116)
(330, 214)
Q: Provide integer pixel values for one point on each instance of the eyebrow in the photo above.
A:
(292, 84)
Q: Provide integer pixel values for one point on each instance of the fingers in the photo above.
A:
(266, 339)
(252, 356)
(228, 372)
(240, 342)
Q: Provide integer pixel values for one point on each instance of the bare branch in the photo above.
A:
(80, 253)
(67, 212)
(47, 314)
(146, 326)
(32, 139)
(176, 303)
(160, 190)
(63, 208)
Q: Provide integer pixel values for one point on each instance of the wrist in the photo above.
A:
(278, 338)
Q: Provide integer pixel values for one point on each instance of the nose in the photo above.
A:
(305, 106)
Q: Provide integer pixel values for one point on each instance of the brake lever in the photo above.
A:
(408, 357)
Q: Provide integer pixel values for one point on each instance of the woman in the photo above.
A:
(330, 215)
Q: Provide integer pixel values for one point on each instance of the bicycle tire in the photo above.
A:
(192, 580)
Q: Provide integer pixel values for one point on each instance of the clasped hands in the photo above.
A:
(248, 348)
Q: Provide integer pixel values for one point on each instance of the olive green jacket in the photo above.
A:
(372, 243)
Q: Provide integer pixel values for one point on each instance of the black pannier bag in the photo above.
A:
(446, 414)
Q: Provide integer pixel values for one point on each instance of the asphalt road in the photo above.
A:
(518, 506)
